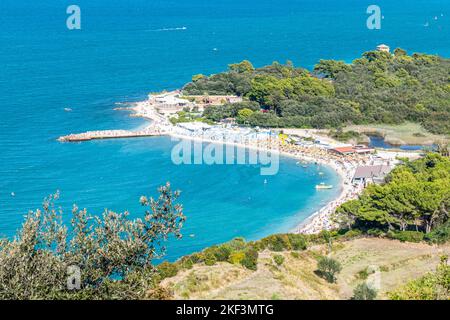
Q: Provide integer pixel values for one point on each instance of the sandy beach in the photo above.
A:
(319, 220)
(344, 166)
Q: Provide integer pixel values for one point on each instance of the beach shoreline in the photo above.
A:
(312, 224)
(316, 222)
(344, 166)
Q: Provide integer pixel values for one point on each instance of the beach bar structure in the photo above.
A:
(371, 174)
(169, 103)
(349, 150)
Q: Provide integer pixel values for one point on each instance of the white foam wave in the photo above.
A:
(168, 29)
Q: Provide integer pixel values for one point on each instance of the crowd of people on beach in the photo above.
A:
(268, 140)
(345, 166)
(306, 148)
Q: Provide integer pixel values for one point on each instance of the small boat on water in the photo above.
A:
(323, 186)
(67, 109)
(321, 173)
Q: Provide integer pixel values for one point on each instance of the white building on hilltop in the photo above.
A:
(383, 48)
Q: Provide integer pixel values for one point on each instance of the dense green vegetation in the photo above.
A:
(231, 111)
(414, 200)
(107, 257)
(376, 88)
(344, 136)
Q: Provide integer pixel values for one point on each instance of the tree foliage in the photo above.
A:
(376, 88)
(416, 196)
(364, 292)
(105, 249)
(328, 268)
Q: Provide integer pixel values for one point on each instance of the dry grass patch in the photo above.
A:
(295, 277)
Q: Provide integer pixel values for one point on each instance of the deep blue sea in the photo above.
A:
(126, 49)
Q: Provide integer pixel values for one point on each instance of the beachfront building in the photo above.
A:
(371, 174)
(349, 150)
(194, 126)
(383, 48)
(169, 103)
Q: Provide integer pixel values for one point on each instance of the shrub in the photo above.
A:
(439, 235)
(363, 274)
(406, 236)
(186, 262)
(328, 268)
(384, 268)
(250, 260)
(295, 254)
(316, 239)
(364, 292)
(210, 259)
(278, 259)
(236, 244)
(278, 242)
(297, 241)
(236, 257)
(221, 253)
(352, 234)
(376, 233)
(167, 270)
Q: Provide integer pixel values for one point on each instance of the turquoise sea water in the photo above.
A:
(128, 48)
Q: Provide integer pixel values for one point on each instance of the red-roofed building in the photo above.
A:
(343, 150)
(352, 150)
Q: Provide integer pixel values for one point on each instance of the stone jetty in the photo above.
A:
(110, 134)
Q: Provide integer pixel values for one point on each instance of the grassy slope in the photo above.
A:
(296, 279)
